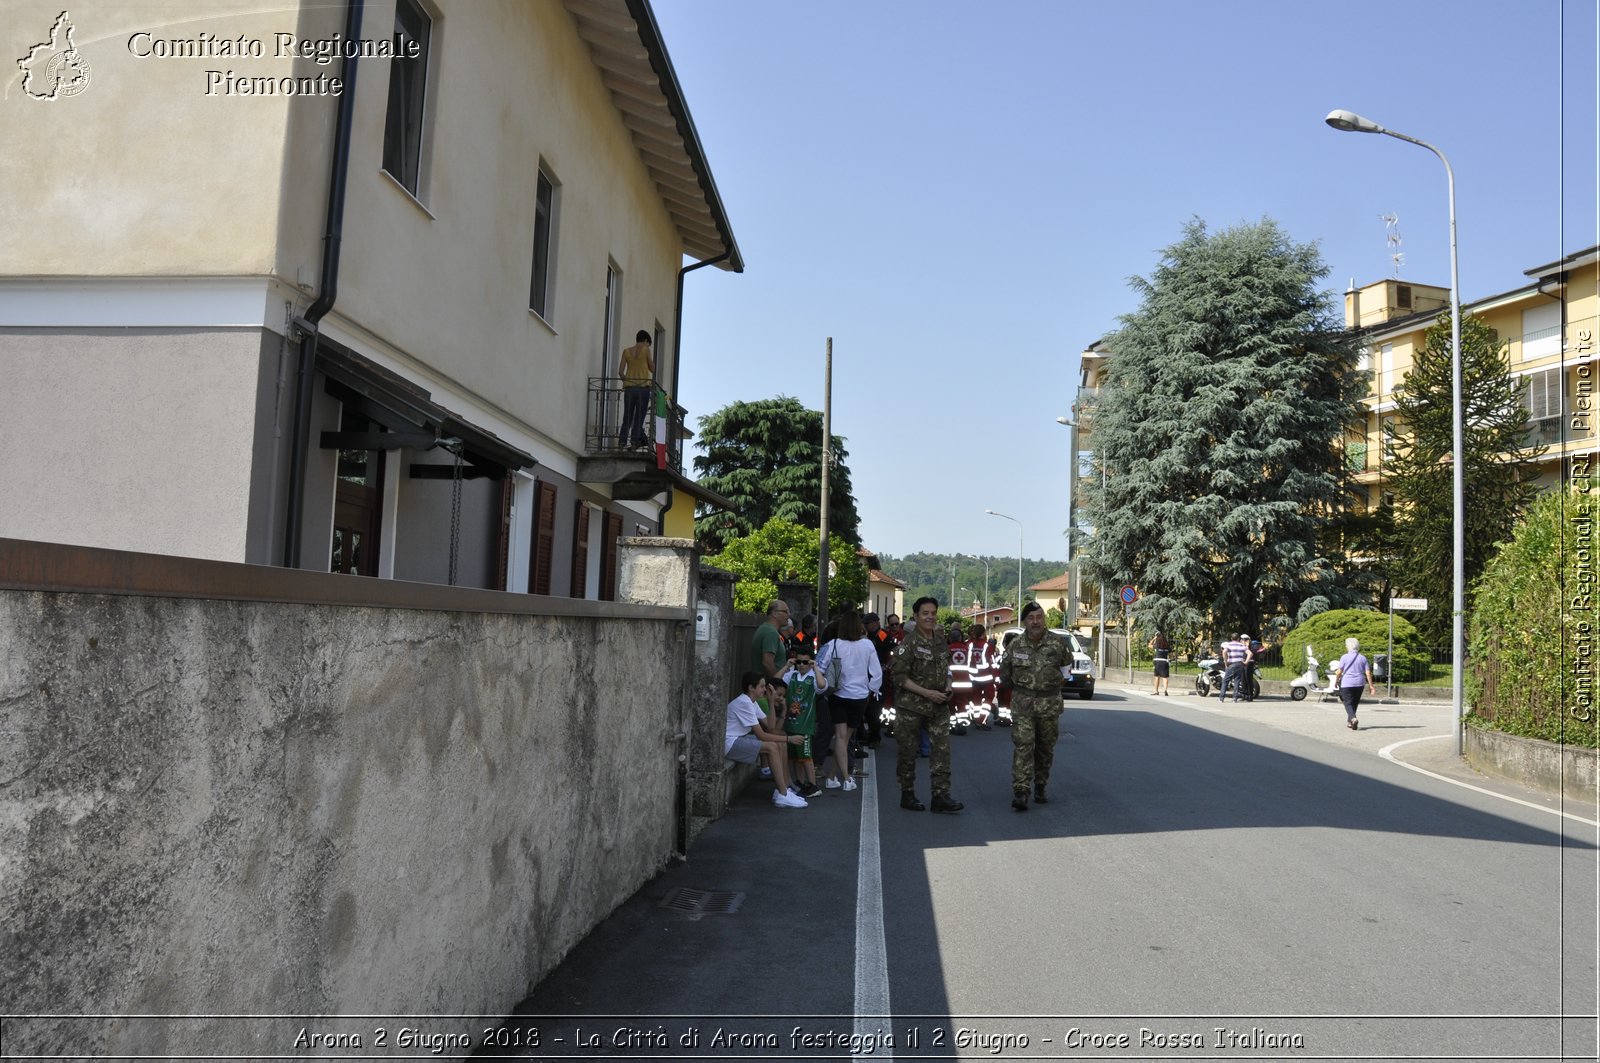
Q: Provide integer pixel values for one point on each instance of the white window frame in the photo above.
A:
(550, 220)
(424, 120)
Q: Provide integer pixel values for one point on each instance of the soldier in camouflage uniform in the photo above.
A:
(1032, 669)
(922, 699)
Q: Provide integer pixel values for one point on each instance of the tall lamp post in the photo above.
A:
(1017, 613)
(1072, 528)
(1350, 122)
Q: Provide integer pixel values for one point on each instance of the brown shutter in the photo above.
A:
(608, 559)
(544, 539)
(580, 549)
(507, 489)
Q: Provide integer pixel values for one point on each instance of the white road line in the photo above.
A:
(1387, 753)
(872, 955)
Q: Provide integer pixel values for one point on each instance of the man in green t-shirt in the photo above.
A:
(767, 654)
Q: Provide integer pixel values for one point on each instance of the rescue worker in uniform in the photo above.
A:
(922, 700)
(1032, 668)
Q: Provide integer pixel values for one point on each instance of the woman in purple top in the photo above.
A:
(1355, 673)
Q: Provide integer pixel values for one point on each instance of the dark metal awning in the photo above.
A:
(414, 420)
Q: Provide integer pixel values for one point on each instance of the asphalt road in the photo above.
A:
(1208, 881)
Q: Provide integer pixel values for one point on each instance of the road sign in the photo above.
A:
(1129, 593)
(1416, 605)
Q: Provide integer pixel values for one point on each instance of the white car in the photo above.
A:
(1081, 679)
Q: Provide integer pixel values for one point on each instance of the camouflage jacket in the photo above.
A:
(925, 660)
(1035, 667)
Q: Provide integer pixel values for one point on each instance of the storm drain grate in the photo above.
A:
(695, 903)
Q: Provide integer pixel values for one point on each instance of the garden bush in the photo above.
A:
(1326, 631)
(1530, 639)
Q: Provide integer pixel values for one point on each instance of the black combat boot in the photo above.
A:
(1020, 801)
(946, 803)
(908, 801)
(1038, 794)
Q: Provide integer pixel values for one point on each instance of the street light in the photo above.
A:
(1071, 534)
(1072, 528)
(1350, 122)
(1016, 613)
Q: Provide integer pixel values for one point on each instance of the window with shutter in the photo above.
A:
(608, 558)
(580, 550)
(544, 539)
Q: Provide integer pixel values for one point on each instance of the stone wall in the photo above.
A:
(232, 807)
(1546, 766)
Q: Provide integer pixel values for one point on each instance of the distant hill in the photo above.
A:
(929, 574)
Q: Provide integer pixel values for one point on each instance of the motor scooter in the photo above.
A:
(1212, 674)
(1307, 682)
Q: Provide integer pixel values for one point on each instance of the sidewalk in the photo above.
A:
(1418, 729)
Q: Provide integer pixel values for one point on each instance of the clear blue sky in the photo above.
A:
(957, 193)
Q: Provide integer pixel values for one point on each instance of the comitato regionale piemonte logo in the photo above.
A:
(55, 69)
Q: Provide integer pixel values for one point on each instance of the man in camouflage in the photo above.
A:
(1032, 669)
(922, 699)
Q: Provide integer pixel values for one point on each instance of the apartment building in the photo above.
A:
(343, 286)
(1548, 327)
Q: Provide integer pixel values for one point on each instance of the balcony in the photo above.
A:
(632, 474)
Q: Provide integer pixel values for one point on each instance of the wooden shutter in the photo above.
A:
(608, 558)
(544, 539)
(507, 489)
(580, 549)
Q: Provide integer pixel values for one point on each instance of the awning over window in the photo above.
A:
(409, 413)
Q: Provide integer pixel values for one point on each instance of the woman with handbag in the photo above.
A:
(859, 677)
(1354, 672)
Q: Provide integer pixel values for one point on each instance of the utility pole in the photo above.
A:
(827, 461)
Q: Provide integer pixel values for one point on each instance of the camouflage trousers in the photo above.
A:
(1035, 725)
(906, 726)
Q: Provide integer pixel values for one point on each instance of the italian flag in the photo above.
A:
(661, 429)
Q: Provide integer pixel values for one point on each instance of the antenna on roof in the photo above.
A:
(1391, 221)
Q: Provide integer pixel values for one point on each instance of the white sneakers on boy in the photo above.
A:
(850, 784)
(789, 800)
(831, 783)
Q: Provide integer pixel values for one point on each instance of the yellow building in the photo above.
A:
(1548, 327)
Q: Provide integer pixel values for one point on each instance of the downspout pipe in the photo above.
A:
(307, 326)
(677, 340)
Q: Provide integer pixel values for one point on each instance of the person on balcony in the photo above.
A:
(637, 370)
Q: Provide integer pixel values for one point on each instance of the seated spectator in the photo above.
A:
(747, 740)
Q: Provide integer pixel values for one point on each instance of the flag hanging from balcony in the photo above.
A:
(661, 429)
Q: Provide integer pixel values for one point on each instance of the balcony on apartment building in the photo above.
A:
(632, 472)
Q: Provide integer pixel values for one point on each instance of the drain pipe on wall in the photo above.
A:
(327, 291)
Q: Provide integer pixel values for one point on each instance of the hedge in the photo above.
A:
(1533, 623)
(1327, 631)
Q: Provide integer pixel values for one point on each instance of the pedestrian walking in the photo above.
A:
(1162, 649)
(922, 703)
(1355, 674)
(1033, 668)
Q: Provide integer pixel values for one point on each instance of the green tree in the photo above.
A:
(1498, 474)
(1530, 669)
(1215, 433)
(783, 550)
(766, 458)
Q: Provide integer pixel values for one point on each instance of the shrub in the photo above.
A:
(1530, 640)
(1326, 631)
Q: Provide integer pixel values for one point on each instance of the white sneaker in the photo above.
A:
(850, 784)
(832, 783)
(789, 800)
